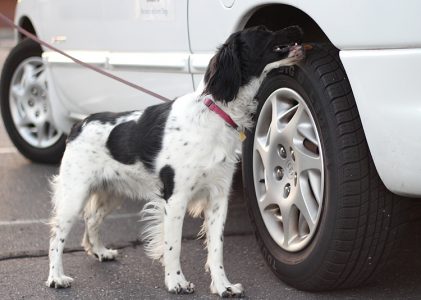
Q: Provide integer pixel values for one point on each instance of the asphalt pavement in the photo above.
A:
(25, 208)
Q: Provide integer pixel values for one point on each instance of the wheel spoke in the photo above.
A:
(290, 120)
(262, 147)
(306, 130)
(266, 202)
(315, 180)
(39, 69)
(24, 121)
(18, 96)
(41, 133)
(17, 92)
(51, 131)
(287, 115)
(307, 160)
(280, 112)
(290, 221)
(303, 229)
(306, 204)
(28, 76)
(42, 78)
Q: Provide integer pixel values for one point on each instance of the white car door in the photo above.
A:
(210, 24)
(143, 41)
(149, 45)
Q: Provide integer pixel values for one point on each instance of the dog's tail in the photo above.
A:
(153, 233)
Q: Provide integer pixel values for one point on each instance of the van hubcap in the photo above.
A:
(29, 104)
(288, 169)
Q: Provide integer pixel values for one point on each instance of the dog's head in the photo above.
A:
(246, 54)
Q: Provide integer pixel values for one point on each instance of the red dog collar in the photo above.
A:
(215, 108)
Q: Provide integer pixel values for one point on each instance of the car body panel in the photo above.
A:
(386, 85)
(357, 24)
(145, 69)
(117, 36)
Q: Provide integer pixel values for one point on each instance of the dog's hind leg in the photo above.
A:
(175, 209)
(97, 208)
(68, 200)
(215, 216)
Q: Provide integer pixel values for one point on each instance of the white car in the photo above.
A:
(337, 141)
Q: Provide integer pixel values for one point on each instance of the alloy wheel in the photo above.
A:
(288, 169)
(29, 104)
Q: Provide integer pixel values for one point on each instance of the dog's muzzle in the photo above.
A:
(296, 52)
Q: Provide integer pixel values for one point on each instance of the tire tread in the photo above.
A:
(368, 245)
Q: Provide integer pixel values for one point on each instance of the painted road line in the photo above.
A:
(46, 221)
(8, 150)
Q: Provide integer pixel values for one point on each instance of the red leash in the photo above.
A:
(89, 66)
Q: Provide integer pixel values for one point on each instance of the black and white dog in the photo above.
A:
(178, 156)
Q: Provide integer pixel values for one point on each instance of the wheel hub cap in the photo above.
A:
(288, 169)
(29, 104)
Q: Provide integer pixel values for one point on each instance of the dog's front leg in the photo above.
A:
(175, 210)
(215, 215)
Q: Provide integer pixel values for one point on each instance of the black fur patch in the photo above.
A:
(107, 117)
(142, 140)
(166, 174)
(244, 56)
(223, 75)
(104, 117)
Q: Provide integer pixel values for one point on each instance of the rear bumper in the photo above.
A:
(387, 88)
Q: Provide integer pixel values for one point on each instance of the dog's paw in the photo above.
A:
(230, 291)
(59, 282)
(182, 288)
(105, 254)
(233, 291)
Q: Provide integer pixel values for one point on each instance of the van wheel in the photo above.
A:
(25, 105)
(322, 216)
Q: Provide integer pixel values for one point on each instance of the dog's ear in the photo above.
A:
(223, 75)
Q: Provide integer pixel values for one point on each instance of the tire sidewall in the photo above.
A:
(300, 266)
(24, 50)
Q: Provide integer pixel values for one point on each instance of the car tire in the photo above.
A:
(357, 221)
(25, 108)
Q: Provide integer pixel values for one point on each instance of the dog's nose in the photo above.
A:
(296, 51)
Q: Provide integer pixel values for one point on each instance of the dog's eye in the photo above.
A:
(281, 48)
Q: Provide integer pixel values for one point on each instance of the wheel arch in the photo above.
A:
(277, 16)
(26, 23)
